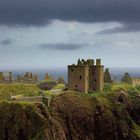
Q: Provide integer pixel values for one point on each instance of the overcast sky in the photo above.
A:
(55, 33)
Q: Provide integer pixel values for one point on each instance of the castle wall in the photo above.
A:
(96, 78)
(85, 76)
(78, 77)
(45, 100)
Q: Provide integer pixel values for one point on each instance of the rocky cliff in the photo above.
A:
(72, 116)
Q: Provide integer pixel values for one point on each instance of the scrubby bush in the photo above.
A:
(107, 87)
(126, 78)
(59, 86)
(134, 91)
(61, 80)
(107, 76)
(47, 84)
(117, 86)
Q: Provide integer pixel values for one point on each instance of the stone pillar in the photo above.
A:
(35, 78)
(18, 78)
(98, 62)
(10, 77)
(1, 77)
(31, 75)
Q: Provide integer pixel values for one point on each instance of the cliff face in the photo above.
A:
(112, 117)
(27, 121)
(73, 117)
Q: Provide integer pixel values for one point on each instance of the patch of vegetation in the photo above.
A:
(112, 87)
(48, 93)
(107, 76)
(60, 80)
(126, 78)
(107, 87)
(136, 129)
(47, 84)
(6, 90)
(134, 91)
(59, 86)
(117, 86)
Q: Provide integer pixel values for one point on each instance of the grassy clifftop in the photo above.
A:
(104, 117)
(73, 116)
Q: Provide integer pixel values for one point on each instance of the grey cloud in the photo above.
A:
(6, 41)
(124, 28)
(40, 12)
(63, 46)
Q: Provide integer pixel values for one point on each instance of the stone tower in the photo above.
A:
(96, 76)
(85, 76)
(78, 77)
(10, 77)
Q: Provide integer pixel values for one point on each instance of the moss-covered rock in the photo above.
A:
(27, 121)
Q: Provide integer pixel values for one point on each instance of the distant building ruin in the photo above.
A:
(86, 76)
(6, 77)
(28, 77)
(48, 77)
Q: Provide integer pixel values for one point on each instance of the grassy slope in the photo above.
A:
(16, 89)
(25, 89)
(59, 86)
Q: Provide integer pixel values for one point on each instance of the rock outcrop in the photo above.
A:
(73, 117)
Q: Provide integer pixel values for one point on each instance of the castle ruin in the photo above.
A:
(6, 77)
(86, 76)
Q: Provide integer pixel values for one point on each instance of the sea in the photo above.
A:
(116, 73)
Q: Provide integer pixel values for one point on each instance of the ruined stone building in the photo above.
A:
(86, 76)
(28, 77)
(6, 77)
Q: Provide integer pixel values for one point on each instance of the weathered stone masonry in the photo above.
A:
(85, 76)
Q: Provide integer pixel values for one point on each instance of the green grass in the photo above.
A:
(48, 93)
(59, 86)
(17, 89)
(33, 90)
(117, 86)
(136, 129)
(24, 89)
(111, 87)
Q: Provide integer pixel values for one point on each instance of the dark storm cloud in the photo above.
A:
(6, 41)
(38, 12)
(63, 46)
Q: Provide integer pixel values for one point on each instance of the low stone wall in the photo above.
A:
(42, 99)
